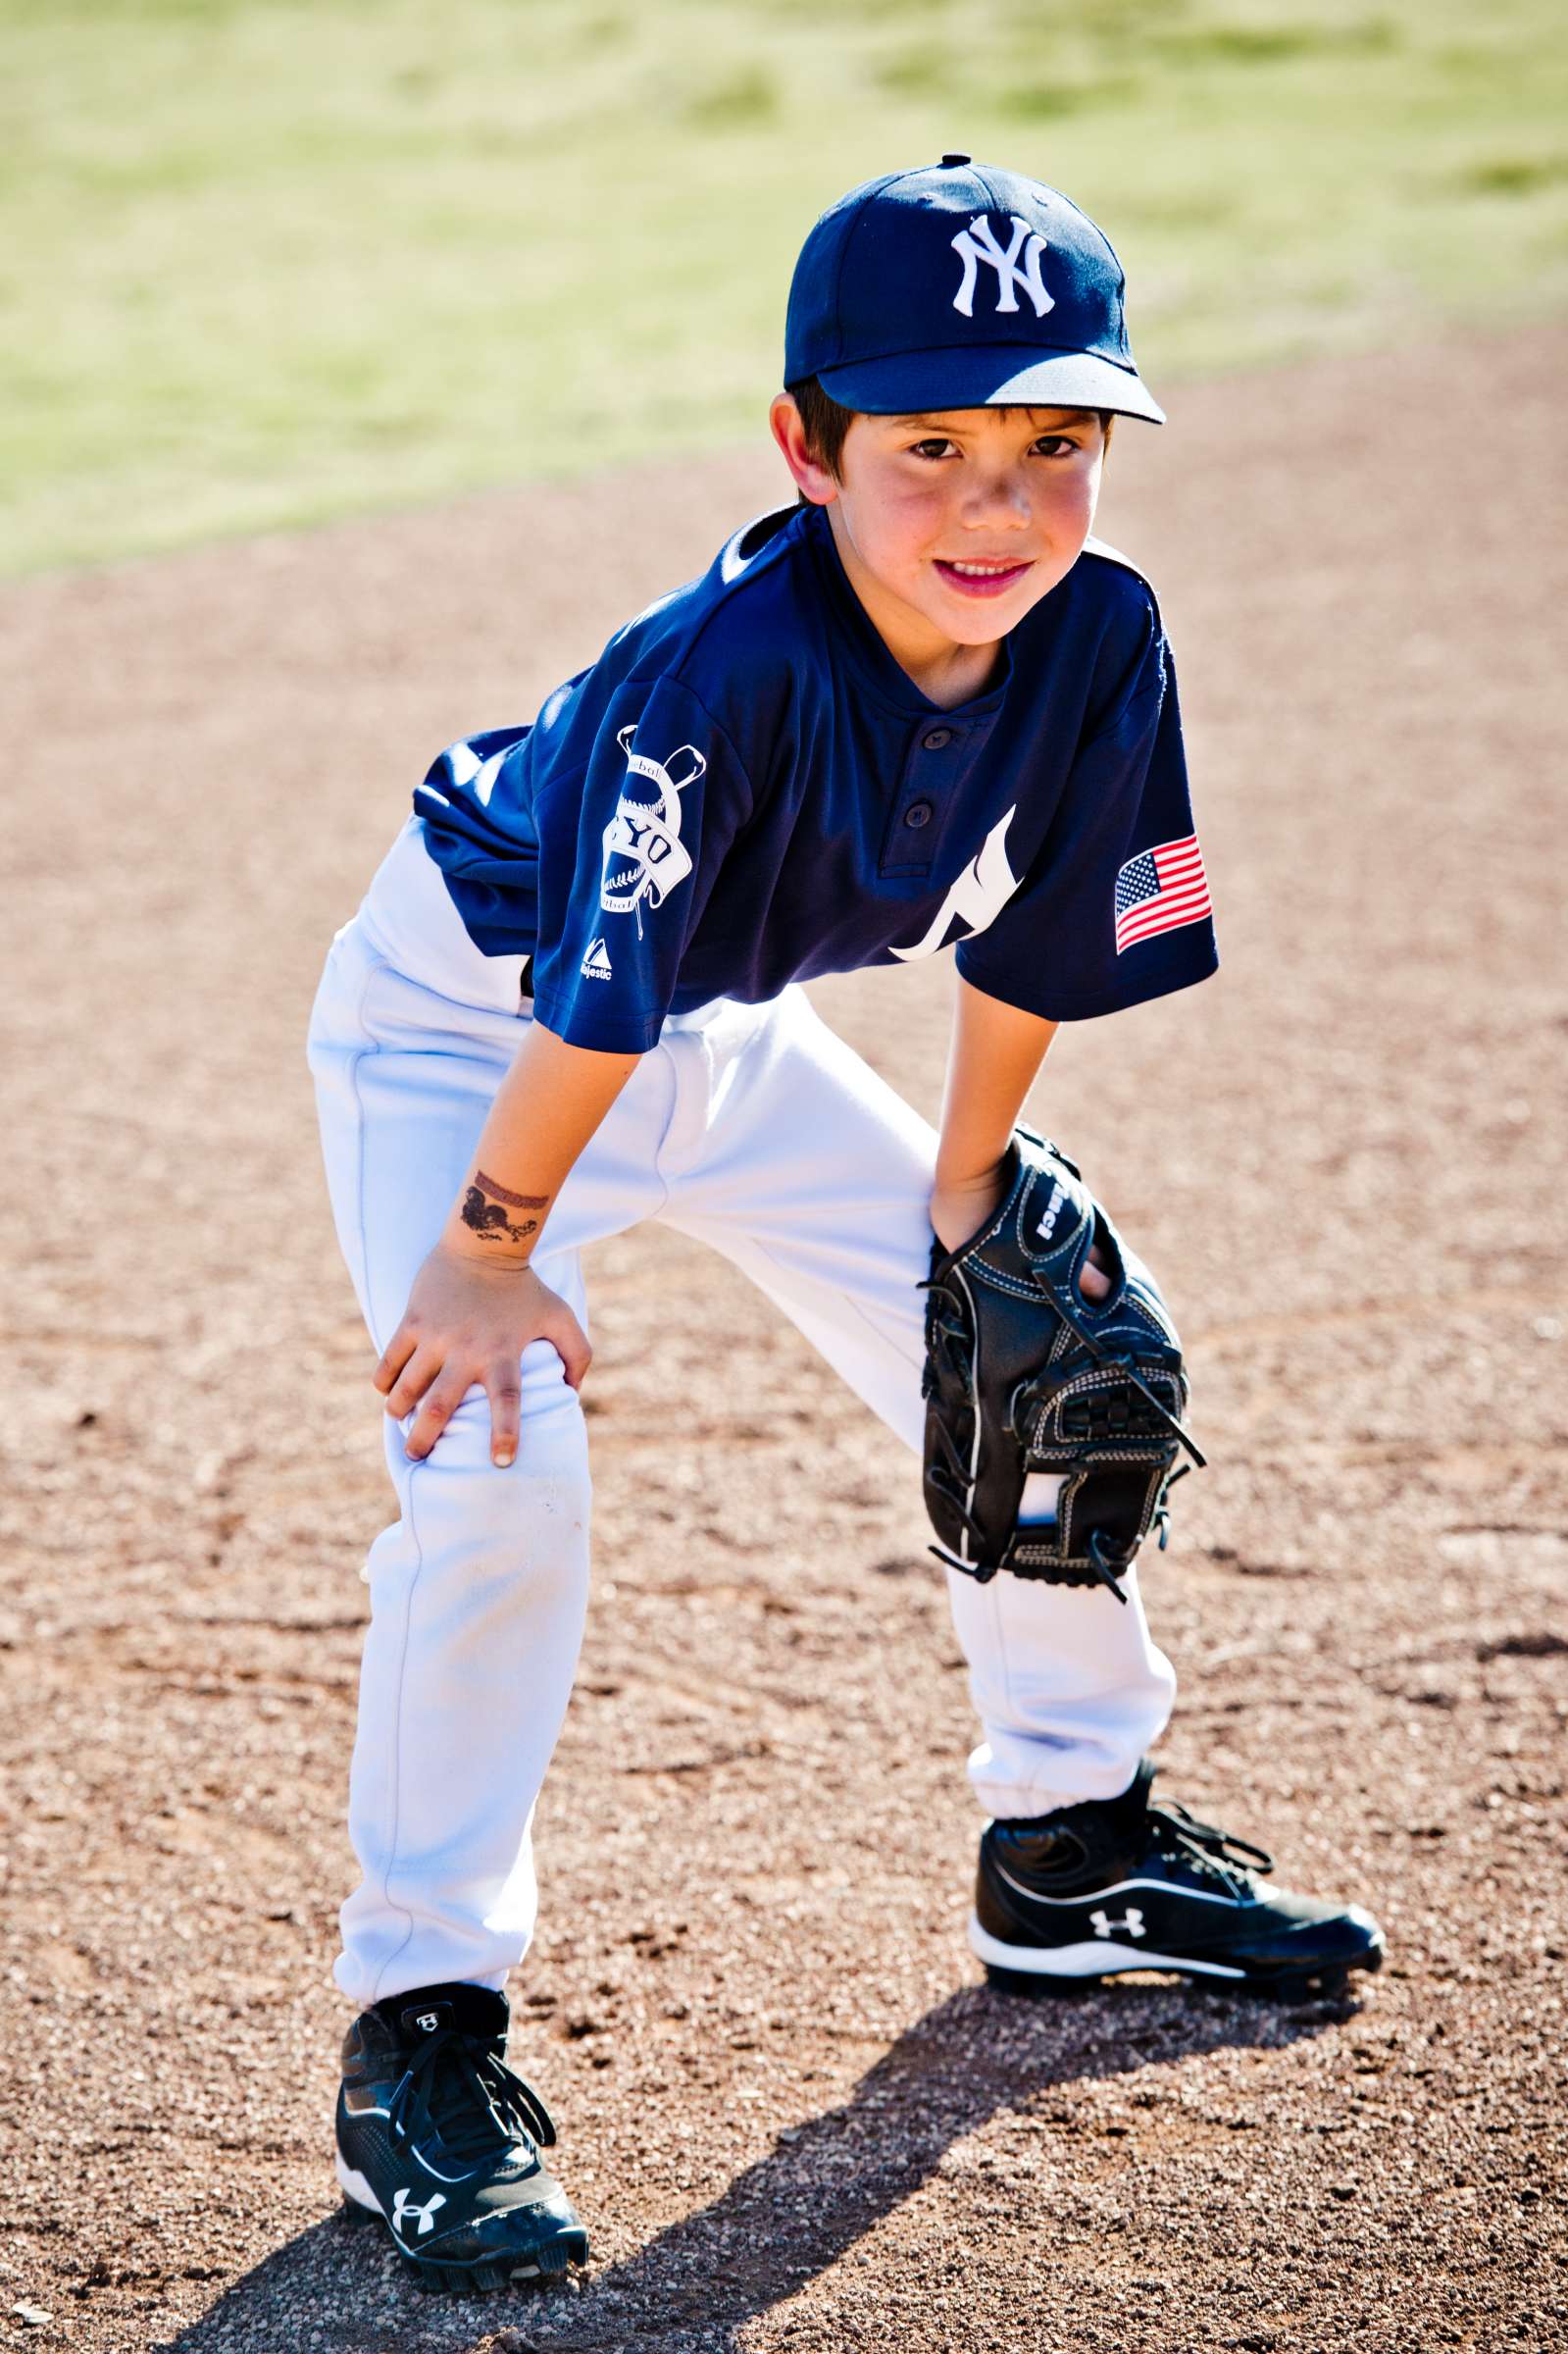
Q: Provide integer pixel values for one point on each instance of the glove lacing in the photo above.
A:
(488, 2107)
(1120, 1361)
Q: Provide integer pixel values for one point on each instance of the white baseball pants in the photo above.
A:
(757, 1130)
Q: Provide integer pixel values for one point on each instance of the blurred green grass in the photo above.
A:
(262, 261)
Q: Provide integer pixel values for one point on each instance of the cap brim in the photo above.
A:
(988, 376)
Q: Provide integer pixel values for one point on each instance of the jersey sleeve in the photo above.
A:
(1116, 907)
(630, 843)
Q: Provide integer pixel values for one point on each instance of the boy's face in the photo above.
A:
(952, 526)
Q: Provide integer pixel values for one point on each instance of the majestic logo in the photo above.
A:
(644, 856)
(977, 244)
(978, 896)
(403, 2207)
(1131, 1922)
(595, 964)
(1053, 1210)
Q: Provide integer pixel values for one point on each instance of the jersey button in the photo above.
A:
(918, 814)
(937, 740)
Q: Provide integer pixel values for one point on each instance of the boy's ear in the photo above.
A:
(811, 478)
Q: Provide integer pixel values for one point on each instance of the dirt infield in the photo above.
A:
(791, 2114)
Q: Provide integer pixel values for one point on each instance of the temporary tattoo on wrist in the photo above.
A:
(512, 1200)
(490, 1221)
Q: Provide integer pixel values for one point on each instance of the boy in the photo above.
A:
(919, 707)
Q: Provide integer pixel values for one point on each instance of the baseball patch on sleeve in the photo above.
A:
(644, 856)
(1159, 891)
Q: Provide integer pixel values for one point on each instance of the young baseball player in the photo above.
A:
(919, 708)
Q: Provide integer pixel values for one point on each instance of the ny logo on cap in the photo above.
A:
(977, 244)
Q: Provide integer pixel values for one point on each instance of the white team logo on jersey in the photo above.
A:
(978, 896)
(644, 856)
(977, 244)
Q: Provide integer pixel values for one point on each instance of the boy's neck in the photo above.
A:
(946, 672)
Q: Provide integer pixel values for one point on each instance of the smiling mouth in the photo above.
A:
(973, 578)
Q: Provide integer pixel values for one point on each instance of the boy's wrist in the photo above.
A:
(494, 1224)
(469, 1250)
(968, 1175)
(960, 1204)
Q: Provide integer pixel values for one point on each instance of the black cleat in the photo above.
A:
(438, 2137)
(1114, 1884)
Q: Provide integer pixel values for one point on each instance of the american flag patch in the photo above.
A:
(1160, 891)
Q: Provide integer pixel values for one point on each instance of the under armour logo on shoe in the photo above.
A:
(403, 2207)
(428, 2022)
(977, 244)
(1131, 1922)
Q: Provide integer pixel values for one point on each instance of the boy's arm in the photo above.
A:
(476, 1302)
(550, 1104)
(992, 1061)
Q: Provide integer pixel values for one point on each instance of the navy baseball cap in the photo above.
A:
(961, 286)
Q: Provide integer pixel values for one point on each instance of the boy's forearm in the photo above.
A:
(995, 1054)
(547, 1107)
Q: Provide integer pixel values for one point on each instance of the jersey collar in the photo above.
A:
(867, 651)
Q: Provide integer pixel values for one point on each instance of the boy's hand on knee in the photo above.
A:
(469, 1320)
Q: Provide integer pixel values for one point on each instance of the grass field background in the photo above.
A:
(265, 263)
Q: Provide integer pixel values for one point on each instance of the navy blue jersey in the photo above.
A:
(745, 789)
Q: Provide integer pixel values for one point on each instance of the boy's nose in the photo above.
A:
(1002, 499)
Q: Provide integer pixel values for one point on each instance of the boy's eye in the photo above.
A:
(1049, 445)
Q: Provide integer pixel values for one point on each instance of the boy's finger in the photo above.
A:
(395, 1357)
(1093, 1281)
(506, 1406)
(419, 1371)
(571, 1344)
(432, 1418)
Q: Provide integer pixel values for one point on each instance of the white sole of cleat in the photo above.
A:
(353, 2185)
(1090, 1959)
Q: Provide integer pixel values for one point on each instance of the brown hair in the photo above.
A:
(824, 420)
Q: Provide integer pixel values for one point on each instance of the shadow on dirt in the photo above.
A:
(793, 2214)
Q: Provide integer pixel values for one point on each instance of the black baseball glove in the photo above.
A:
(1024, 1375)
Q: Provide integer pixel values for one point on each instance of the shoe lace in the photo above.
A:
(1205, 1848)
(457, 2086)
